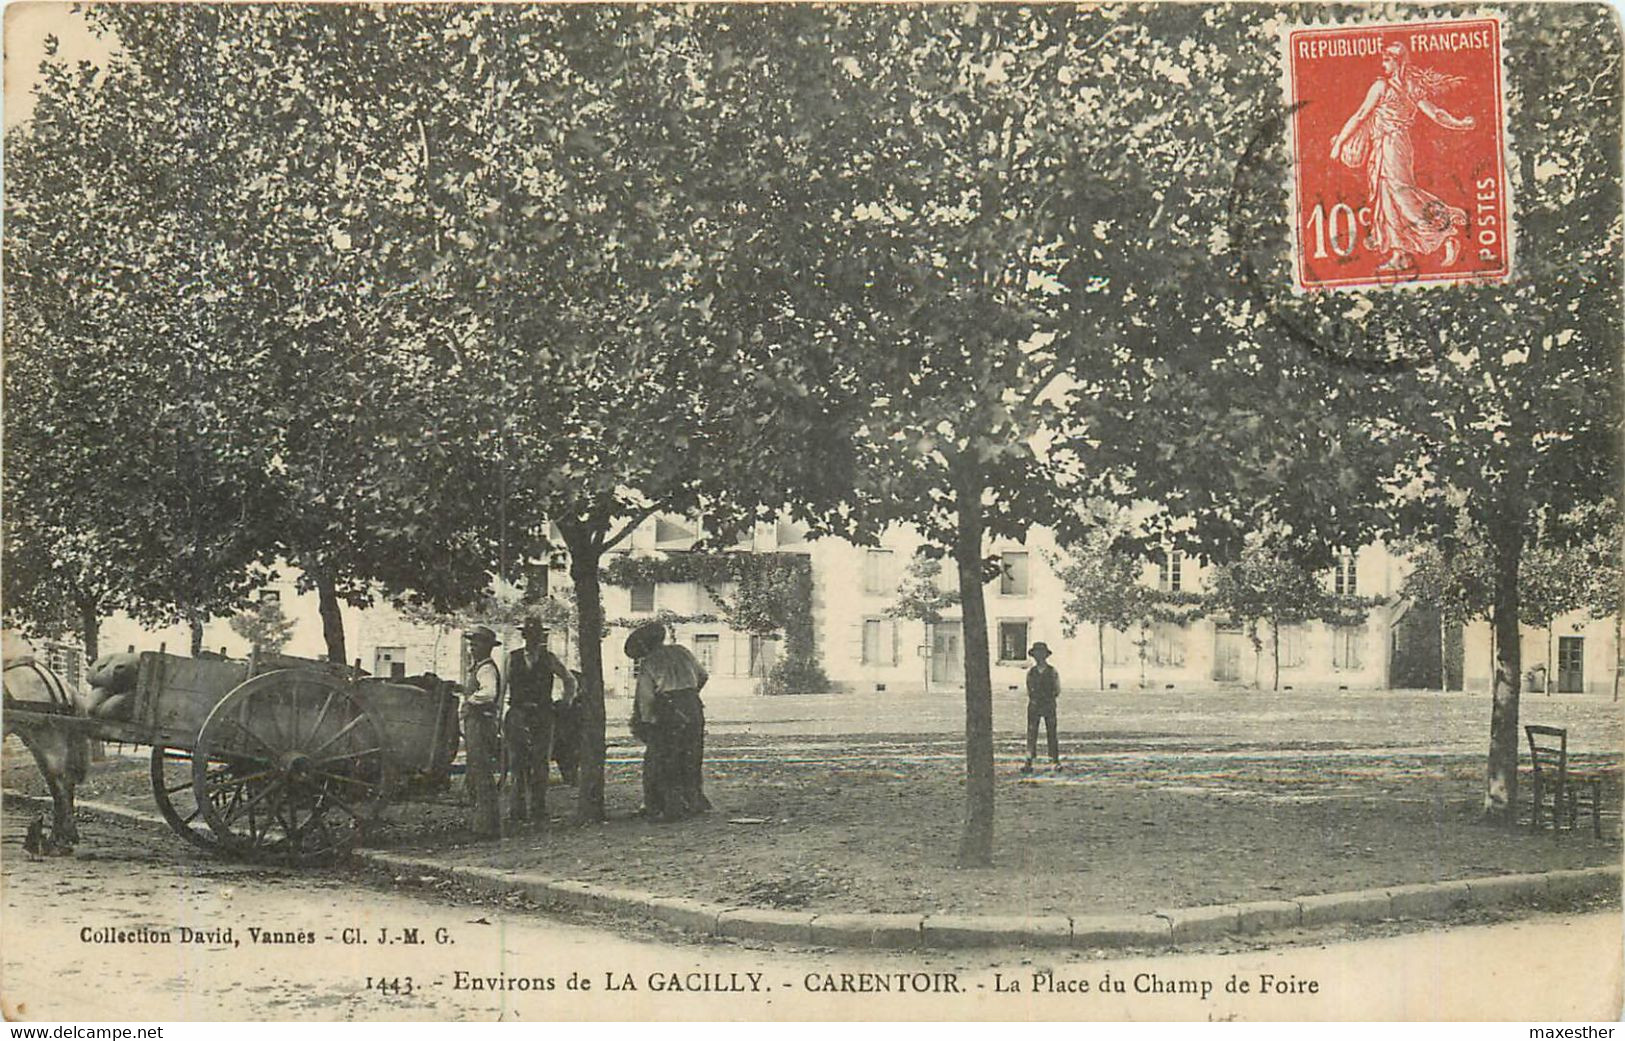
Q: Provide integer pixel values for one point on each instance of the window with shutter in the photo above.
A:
(1169, 571)
(1120, 647)
(1013, 576)
(877, 572)
(1293, 640)
(1168, 644)
(67, 661)
(390, 662)
(643, 597)
(762, 655)
(705, 651)
(1346, 641)
(1012, 641)
(1344, 579)
(870, 654)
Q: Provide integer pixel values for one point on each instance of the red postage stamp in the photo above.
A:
(1398, 137)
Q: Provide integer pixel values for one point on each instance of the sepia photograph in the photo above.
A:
(794, 512)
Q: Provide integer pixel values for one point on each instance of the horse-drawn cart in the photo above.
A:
(276, 758)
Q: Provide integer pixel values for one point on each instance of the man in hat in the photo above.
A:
(528, 724)
(1043, 689)
(668, 712)
(481, 708)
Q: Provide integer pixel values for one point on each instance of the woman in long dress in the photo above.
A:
(1406, 221)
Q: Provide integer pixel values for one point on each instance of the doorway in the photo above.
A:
(947, 654)
(1227, 653)
(389, 662)
(1571, 657)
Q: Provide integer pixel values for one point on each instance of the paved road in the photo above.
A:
(62, 959)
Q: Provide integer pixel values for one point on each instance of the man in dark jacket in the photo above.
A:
(528, 727)
(1043, 689)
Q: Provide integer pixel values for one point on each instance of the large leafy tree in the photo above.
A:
(526, 287)
(376, 474)
(1498, 403)
(1023, 234)
(601, 212)
(126, 483)
(1512, 396)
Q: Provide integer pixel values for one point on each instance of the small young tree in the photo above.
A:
(1552, 582)
(264, 626)
(921, 598)
(1604, 587)
(1451, 576)
(558, 612)
(1102, 587)
(1268, 585)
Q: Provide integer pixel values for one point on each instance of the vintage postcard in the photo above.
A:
(867, 512)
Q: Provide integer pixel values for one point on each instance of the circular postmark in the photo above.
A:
(1344, 328)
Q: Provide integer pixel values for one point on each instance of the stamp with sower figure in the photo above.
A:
(1398, 135)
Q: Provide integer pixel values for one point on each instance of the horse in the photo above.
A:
(61, 752)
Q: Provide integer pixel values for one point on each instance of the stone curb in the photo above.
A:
(906, 931)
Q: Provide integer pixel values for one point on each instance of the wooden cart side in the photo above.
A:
(413, 721)
(175, 695)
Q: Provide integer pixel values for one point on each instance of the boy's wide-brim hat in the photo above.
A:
(1039, 648)
(482, 634)
(645, 638)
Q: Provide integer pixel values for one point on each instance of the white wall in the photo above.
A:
(1601, 651)
(843, 603)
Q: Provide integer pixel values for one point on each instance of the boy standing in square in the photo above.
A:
(1043, 688)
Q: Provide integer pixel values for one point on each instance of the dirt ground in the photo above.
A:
(127, 876)
(871, 823)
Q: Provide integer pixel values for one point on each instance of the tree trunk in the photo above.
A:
(1100, 651)
(1444, 657)
(332, 617)
(197, 636)
(1275, 651)
(1550, 628)
(90, 627)
(1501, 780)
(1618, 618)
(976, 844)
(928, 656)
(586, 550)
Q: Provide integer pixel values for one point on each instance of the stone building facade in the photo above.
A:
(862, 648)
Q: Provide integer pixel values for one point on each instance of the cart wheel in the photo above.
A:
(290, 766)
(172, 790)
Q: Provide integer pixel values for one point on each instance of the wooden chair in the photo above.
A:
(1549, 760)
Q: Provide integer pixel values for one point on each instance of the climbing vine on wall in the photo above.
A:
(770, 595)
